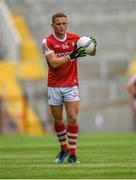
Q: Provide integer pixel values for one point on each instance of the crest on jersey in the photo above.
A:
(65, 46)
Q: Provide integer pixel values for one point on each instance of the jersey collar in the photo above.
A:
(62, 40)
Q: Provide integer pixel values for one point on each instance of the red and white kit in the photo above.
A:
(65, 75)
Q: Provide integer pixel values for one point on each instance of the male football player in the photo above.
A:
(61, 54)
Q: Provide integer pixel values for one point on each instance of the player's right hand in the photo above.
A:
(77, 52)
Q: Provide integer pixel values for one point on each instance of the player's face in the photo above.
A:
(60, 26)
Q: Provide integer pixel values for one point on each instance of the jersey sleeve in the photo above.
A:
(46, 49)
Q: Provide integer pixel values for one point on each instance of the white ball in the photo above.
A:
(87, 43)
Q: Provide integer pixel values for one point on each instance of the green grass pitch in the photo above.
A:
(101, 156)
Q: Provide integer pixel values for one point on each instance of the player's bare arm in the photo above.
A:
(55, 61)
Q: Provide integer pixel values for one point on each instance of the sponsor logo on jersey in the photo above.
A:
(63, 54)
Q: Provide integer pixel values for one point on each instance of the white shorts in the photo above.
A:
(57, 96)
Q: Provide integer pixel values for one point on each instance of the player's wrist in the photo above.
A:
(70, 57)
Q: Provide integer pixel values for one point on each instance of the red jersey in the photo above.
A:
(67, 74)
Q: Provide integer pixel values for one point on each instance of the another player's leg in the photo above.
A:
(72, 109)
(60, 129)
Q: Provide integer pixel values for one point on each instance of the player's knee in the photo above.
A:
(73, 120)
(57, 122)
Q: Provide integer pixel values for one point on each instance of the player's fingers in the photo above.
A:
(80, 49)
(83, 54)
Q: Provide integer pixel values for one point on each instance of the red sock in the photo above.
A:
(61, 133)
(72, 138)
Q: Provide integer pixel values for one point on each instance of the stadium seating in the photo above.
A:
(13, 96)
(16, 104)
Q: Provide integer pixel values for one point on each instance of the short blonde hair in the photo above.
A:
(58, 15)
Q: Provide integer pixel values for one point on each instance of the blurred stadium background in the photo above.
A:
(105, 102)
